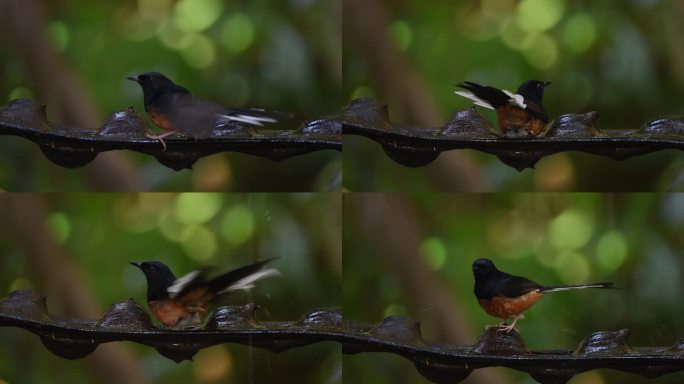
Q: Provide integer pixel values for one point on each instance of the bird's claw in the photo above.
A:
(505, 328)
(160, 138)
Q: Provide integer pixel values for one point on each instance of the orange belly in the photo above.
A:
(514, 119)
(170, 312)
(509, 307)
(535, 127)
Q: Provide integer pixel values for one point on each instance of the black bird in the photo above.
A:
(174, 109)
(521, 113)
(179, 302)
(507, 297)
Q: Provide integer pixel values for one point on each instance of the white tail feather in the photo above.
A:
(477, 100)
(248, 281)
(571, 287)
(247, 119)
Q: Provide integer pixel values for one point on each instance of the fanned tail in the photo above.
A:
(242, 278)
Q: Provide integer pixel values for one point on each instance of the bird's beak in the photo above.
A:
(133, 78)
(136, 264)
(547, 83)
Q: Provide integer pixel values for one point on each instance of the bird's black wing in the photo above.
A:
(191, 282)
(198, 117)
(192, 115)
(195, 287)
(514, 286)
(537, 110)
(241, 278)
(496, 97)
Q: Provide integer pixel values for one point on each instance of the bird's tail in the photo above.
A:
(254, 116)
(484, 96)
(559, 288)
(242, 278)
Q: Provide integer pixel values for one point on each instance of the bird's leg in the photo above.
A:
(160, 137)
(509, 328)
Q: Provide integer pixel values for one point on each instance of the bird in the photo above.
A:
(522, 113)
(180, 302)
(507, 296)
(174, 109)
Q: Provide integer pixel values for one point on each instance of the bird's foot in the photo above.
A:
(160, 138)
(505, 328)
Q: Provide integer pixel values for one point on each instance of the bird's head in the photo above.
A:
(483, 267)
(159, 277)
(533, 89)
(154, 83)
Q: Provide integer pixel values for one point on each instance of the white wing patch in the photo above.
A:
(181, 283)
(477, 100)
(248, 281)
(247, 119)
(515, 99)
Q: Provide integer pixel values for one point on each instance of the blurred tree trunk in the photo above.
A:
(66, 286)
(23, 23)
(365, 22)
(392, 222)
(676, 41)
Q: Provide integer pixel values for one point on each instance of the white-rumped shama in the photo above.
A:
(507, 297)
(174, 109)
(179, 302)
(520, 113)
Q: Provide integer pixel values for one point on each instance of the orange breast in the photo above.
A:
(509, 307)
(170, 312)
(160, 120)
